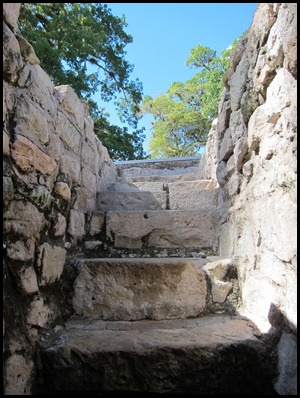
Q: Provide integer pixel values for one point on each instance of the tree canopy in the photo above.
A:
(70, 39)
(183, 115)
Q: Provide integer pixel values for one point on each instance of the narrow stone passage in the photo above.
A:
(151, 317)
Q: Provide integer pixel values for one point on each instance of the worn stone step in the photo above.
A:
(140, 288)
(168, 178)
(193, 199)
(209, 355)
(111, 200)
(162, 228)
(127, 185)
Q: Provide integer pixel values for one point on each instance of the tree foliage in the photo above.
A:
(183, 115)
(73, 39)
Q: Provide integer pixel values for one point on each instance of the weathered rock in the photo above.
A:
(27, 50)
(38, 313)
(11, 13)
(29, 157)
(28, 279)
(173, 228)
(127, 289)
(192, 199)
(174, 356)
(21, 251)
(59, 225)
(72, 103)
(76, 224)
(12, 60)
(62, 189)
(6, 149)
(68, 133)
(31, 122)
(51, 261)
(116, 201)
(18, 374)
(97, 222)
(23, 219)
(217, 272)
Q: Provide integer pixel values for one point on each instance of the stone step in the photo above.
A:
(164, 179)
(127, 185)
(119, 201)
(140, 288)
(192, 199)
(209, 355)
(162, 228)
(173, 199)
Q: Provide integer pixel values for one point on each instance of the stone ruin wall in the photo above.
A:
(53, 164)
(251, 152)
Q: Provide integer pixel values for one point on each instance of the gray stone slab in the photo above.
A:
(140, 288)
(169, 228)
(159, 358)
(111, 200)
(165, 179)
(185, 198)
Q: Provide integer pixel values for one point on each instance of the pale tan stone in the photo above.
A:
(21, 250)
(127, 289)
(76, 224)
(80, 203)
(27, 51)
(31, 122)
(51, 260)
(68, 133)
(6, 149)
(88, 179)
(60, 224)
(111, 200)
(28, 280)
(70, 166)
(217, 271)
(63, 190)
(29, 157)
(173, 228)
(23, 219)
(12, 60)
(192, 198)
(11, 13)
(38, 313)
(97, 222)
(18, 373)
(72, 103)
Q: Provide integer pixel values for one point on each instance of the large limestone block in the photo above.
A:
(11, 14)
(12, 60)
(51, 260)
(192, 198)
(31, 122)
(18, 373)
(193, 184)
(72, 103)
(139, 288)
(169, 228)
(29, 157)
(123, 185)
(165, 179)
(23, 219)
(211, 355)
(68, 133)
(107, 201)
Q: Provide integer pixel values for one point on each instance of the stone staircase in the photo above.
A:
(155, 308)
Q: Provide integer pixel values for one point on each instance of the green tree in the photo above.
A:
(183, 115)
(69, 38)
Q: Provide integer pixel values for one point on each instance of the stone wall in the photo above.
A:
(251, 152)
(53, 165)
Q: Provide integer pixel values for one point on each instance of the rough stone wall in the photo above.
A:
(53, 165)
(252, 153)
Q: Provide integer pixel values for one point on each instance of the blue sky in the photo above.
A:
(164, 33)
